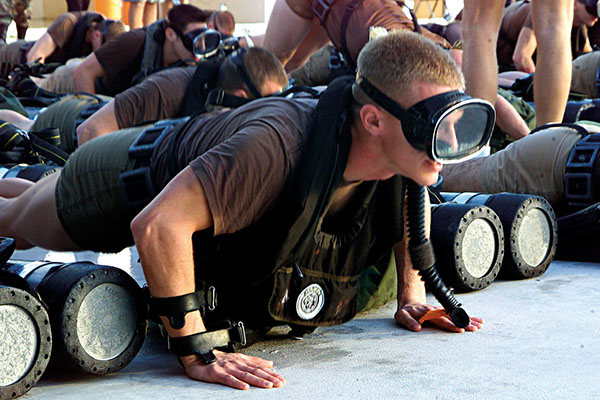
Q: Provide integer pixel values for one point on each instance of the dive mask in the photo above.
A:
(203, 42)
(450, 127)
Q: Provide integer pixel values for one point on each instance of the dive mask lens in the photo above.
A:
(205, 43)
(462, 130)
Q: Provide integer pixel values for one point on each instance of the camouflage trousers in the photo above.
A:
(17, 10)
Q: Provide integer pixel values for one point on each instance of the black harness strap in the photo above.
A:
(581, 175)
(218, 97)
(176, 308)
(344, 27)
(202, 344)
(75, 43)
(11, 137)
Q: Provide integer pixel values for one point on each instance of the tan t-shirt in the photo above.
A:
(61, 31)
(121, 59)
(368, 13)
(159, 96)
(514, 18)
(243, 157)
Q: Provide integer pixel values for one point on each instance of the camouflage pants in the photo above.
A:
(17, 10)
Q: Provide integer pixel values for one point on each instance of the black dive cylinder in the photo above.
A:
(468, 241)
(422, 257)
(25, 334)
(530, 230)
(97, 313)
(32, 173)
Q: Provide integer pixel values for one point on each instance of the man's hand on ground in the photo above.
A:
(234, 369)
(409, 314)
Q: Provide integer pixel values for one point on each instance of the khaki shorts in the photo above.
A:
(60, 81)
(535, 165)
(584, 74)
(89, 201)
(63, 114)
(315, 72)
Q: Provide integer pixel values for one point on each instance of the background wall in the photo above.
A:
(245, 11)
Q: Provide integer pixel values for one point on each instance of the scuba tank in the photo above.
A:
(530, 229)
(469, 244)
(97, 312)
(25, 333)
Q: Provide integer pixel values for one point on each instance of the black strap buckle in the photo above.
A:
(137, 187)
(215, 97)
(176, 307)
(337, 60)
(321, 9)
(202, 344)
(579, 190)
(144, 145)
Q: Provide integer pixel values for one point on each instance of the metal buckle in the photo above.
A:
(215, 97)
(578, 186)
(208, 357)
(337, 60)
(321, 9)
(242, 333)
(212, 298)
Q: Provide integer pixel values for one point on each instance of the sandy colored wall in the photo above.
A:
(245, 11)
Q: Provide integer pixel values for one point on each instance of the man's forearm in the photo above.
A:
(166, 257)
(411, 288)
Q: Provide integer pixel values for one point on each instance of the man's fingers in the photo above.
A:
(405, 319)
(475, 325)
(230, 380)
(447, 324)
(258, 361)
(257, 377)
(238, 371)
(268, 375)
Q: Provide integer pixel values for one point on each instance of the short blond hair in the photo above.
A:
(395, 61)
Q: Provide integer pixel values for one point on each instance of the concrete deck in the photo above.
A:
(541, 341)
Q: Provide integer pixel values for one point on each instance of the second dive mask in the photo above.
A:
(450, 127)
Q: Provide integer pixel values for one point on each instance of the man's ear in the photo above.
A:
(240, 93)
(170, 34)
(370, 117)
(96, 39)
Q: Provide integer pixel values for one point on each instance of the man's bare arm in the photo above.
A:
(163, 236)
(285, 31)
(100, 123)
(509, 120)
(523, 54)
(42, 48)
(85, 74)
(315, 39)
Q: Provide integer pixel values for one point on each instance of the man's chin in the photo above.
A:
(428, 179)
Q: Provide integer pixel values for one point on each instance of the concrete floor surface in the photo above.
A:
(541, 340)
